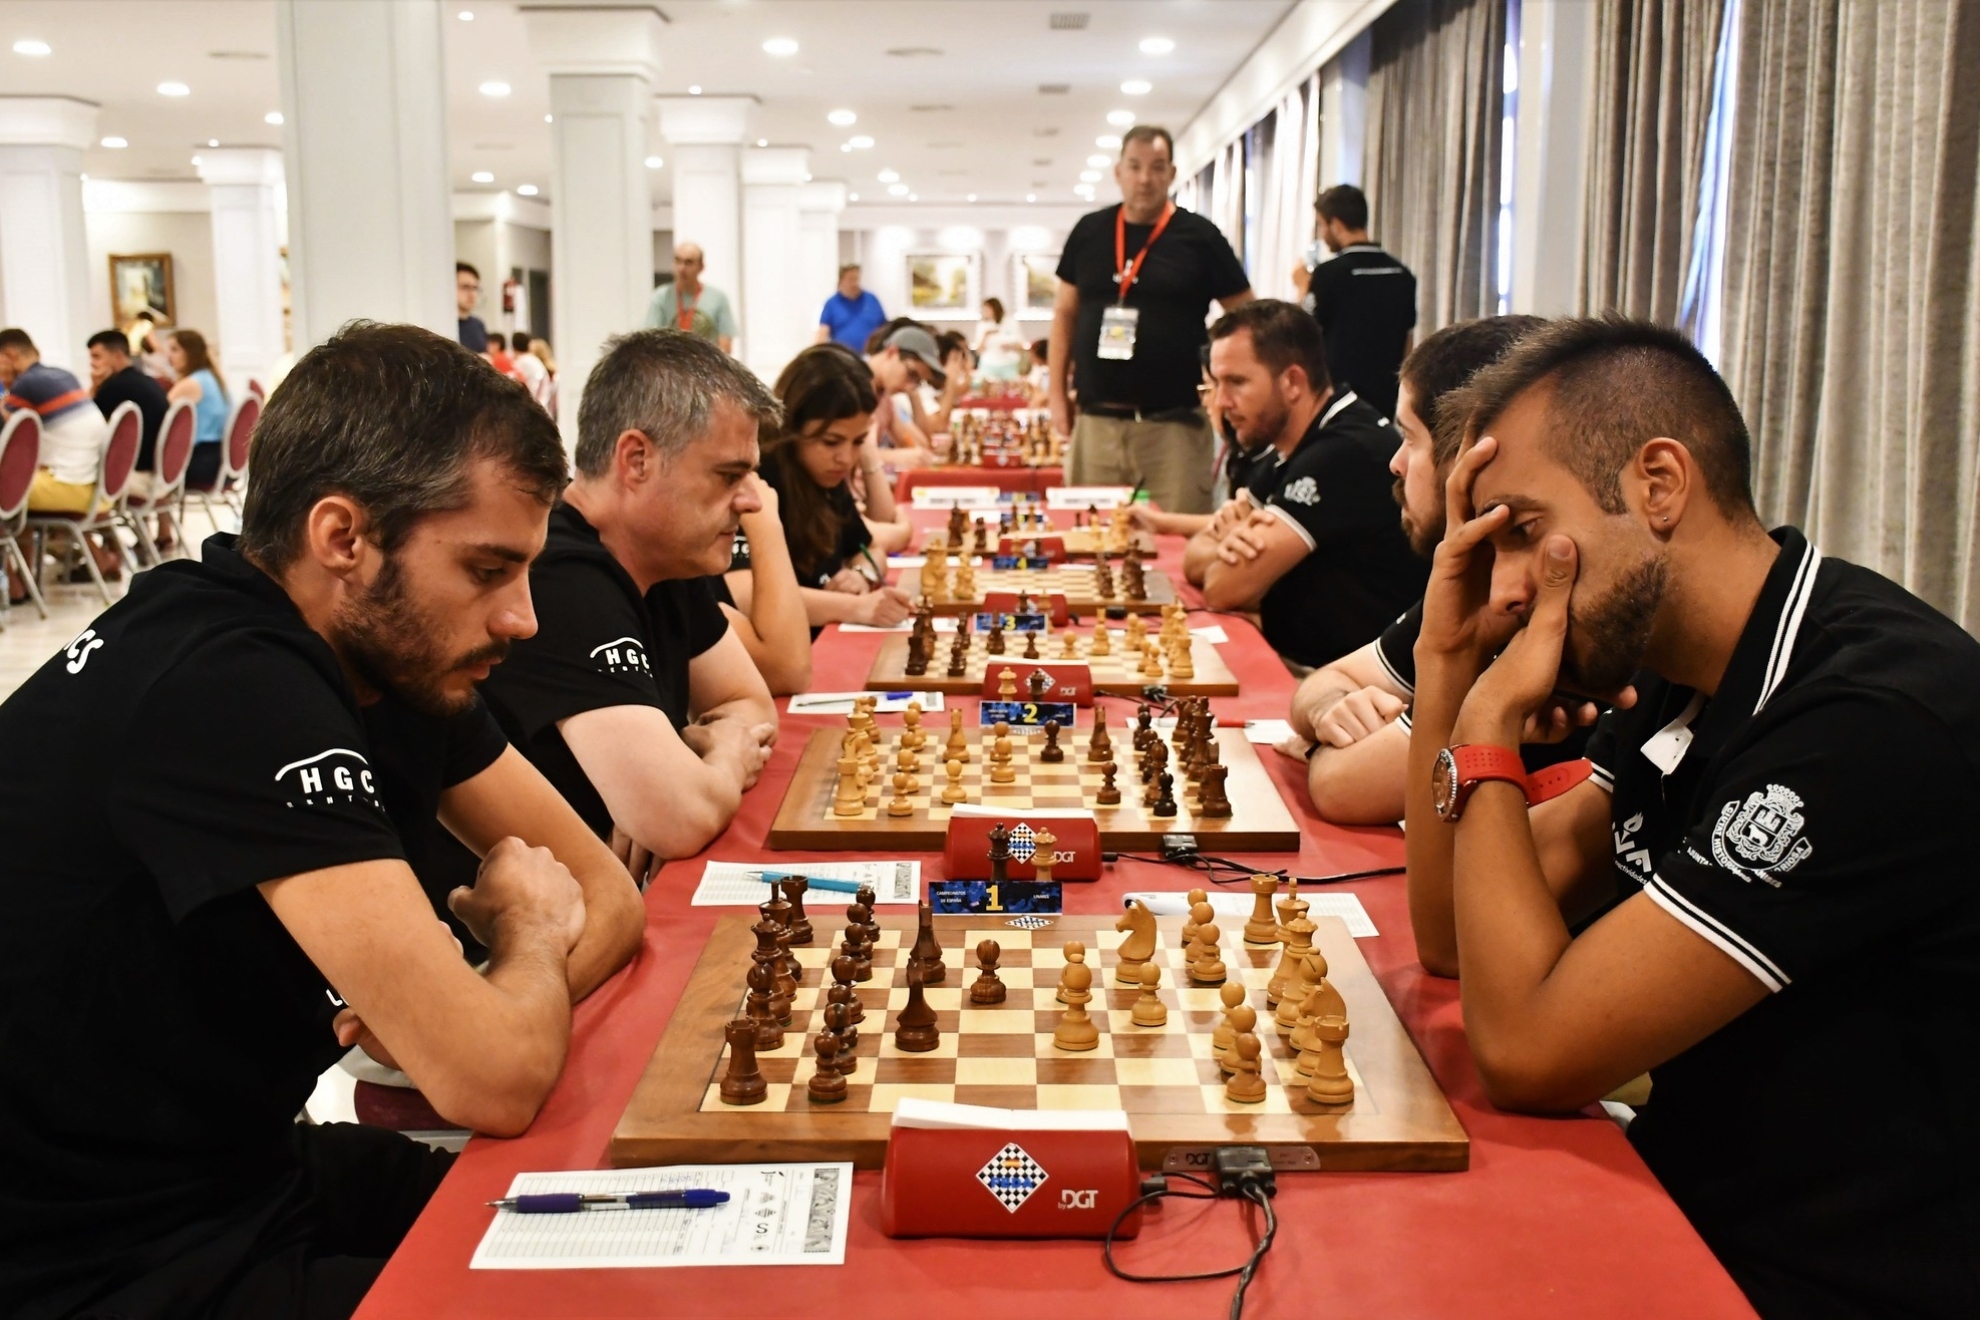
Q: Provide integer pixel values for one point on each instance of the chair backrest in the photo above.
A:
(175, 446)
(20, 455)
(256, 389)
(240, 434)
(120, 454)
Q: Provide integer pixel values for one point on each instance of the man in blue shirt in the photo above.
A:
(851, 314)
(467, 293)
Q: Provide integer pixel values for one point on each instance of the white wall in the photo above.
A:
(187, 235)
(880, 239)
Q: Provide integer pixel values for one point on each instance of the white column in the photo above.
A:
(1344, 114)
(364, 95)
(44, 258)
(773, 315)
(704, 147)
(1550, 166)
(245, 188)
(602, 64)
(819, 207)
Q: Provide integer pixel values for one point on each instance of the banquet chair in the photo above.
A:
(106, 513)
(168, 487)
(232, 477)
(20, 455)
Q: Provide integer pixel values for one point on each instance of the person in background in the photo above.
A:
(903, 356)
(114, 380)
(1038, 373)
(499, 358)
(760, 593)
(850, 314)
(1000, 349)
(958, 369)
(837, 550)
(200, 385)
(1245, 480)
(529, 368)
(72, 437)
(1364, 300)
(688, 305)
(467, 293)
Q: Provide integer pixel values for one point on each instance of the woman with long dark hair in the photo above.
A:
(199, 381)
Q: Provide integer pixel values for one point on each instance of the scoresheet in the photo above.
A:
(777, 1214)
(740, 884)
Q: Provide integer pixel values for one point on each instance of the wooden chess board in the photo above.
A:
(1118, 672)
(1073, 581)
(1080, 542)
(1003, 1055)
(1259, 820)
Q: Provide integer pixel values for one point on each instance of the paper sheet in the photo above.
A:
(1269, 732)
(1328, 903)
(736, 884)
(944, 624)
(778, 1214)
(841, 703)
(1213, 632)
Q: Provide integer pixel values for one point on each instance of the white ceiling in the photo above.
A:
(968, 118)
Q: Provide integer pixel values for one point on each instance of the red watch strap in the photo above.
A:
(1476, 762)
(1557, 779)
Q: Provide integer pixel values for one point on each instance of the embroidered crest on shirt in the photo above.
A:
(1763, 833)
(1303, 491)
(622, 655)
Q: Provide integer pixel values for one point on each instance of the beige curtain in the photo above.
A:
(1852, 281)
(1286, 219)
(1436, 99)
(1652, 103)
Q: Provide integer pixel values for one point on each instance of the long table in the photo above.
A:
(1555, 1217)
(1024, 480)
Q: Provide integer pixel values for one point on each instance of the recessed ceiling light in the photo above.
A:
(695, 90)
(842, 118)
(860, 142)
(1098, 161)
(195, 161)
(114, 143)
(549, 119)
(897, 189)
(30, 46)
(525, 190)
(1089, 176)
(1137, 87)
(889, 176)
(1121, 118)
(763, 142)
(852, 197)
(213, 142)
(174, 89)
(466, 16)
(273, 117)
(914, 197)
(845, 146)
(482, 176)
(971, 197)
(1031, 197)
(654, 162)
(494, 87)
(780, 46)
(1108, 142)
(1156, 45)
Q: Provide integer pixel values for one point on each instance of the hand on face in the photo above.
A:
(1458, 621)
(766, 496)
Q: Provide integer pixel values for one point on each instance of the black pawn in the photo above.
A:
(794, 891)
(769, 1034)
(1051, 751)
(839, 1018)
(827, 1085)
(1031, 646)
(1165, 797)
(914, 1029)
(845, 971)
(1109, 795)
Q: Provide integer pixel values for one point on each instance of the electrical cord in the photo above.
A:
(1224, 871)
(1244, 1273)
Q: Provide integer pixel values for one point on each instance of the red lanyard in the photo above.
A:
(1125, 273)
(683, 310)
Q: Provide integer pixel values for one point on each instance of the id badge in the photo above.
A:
(1117, 329)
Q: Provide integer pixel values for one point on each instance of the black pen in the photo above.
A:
(564, 1203)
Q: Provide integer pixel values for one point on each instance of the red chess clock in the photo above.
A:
(1051, 549)
(966, 848)
(1072, 681)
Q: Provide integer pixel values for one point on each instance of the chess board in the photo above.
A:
(1259, 820)
(1080, 542)
(1003, 1055)
(1073, 581)
(1117, 673)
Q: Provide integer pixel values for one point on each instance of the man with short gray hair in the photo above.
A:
(634, 697)
(690, 306)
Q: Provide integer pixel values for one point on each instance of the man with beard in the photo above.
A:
(207, 896)
(1323, 562)
(1774, 835)
(1353, 713)
(635, 697)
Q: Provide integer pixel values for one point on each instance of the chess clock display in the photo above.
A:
(1031, 714)
(995, 897)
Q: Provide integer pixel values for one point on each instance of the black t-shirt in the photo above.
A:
(1254, 470)
(1365, 301)
(132, 386)
(1189, 267)
(1826, 1143)
(1335, 491)
(849, 531)
(473, 334)
(159, 1028)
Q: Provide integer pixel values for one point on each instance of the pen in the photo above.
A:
(815, 882)
(564, 1203)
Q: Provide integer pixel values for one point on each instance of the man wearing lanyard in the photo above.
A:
(1135, 286)
(690, 306)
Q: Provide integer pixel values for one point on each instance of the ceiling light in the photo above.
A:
(914, 197)
(780, 46)
(526, 190)
(482, 176)
(1156, 45)
(30, 46)
(1137, 87)
(695, 90)
(1098, 161)
(852, 197)
(654, 162)
(889, 176)
(1108, 142)
(114, 143)
(466, 16)
(1121, 118)
(273, 117)
(549, 119)
(763, 142)
(174, 89)
(860, 142)
(897, 189)
(971, 197)
(1089, 176)
(494, 88)
(842, 118)
(196, 161)
(1031, 197)
(213, 142)
(845, 146)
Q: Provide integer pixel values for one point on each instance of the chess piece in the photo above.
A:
(1241, 1019)
(1001, 770)
(1324, 999)
(957, 748)
(914, 1028)
(1149, 1010)
(994, 645)
(1099, 747)
(856, 947)
(908, 764)
(1247, 1084)
(1211, 803)
(1182, 663)
(1038, 684)
(1069, 646)
(1000, 852)
(828, 1085)
(743, 1083)
(1075, 953)
(899, 805)
(1193, 924)
(844, 971)
(1109, 794)
(911, 735)
(1138, 947)
(768, 953)
(769, 1032)
(1030, 645)
(1165, 799)
(1261, 928)
(917, 655)
(1331, 1084)
(1044, 851)
(1051, 752)
(1144, 726)
(927, 951)
(1102, 644)
(987, 988)
(1232, 996)
(1209, 970)
(1076, 1031)
(1305, 972)
(794, 888)
(959, 656)
(849, 798)
(952, 792)
(1288, 906)
(1006, 685)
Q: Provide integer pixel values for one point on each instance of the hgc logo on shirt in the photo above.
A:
(330, 777)
(623, 655)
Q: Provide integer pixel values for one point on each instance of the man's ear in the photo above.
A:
(1667, 478)
(637, 458)
(334, 535)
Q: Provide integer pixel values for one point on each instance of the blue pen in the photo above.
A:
(815, 882)
(565, 1203)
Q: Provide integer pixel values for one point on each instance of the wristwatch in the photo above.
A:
(1461, 769)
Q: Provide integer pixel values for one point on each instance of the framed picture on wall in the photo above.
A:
(944, 286)
(141, 285)
(1035, 282)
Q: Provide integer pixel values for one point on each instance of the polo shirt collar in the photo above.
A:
(1335, 406)
(221, 557)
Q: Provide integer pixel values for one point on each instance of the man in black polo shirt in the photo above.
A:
(635, 697)
(1364, 299)
(1323, 562)
(1776, 829)
(115, 380)
(192, 937)
(1135, 285)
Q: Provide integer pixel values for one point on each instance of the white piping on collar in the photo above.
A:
(1334, 407)
(1788, 628)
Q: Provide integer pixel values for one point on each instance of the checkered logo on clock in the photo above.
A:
(1011, 1176)
(1023, 843)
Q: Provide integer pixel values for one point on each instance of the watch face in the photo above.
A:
(1444, 785)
